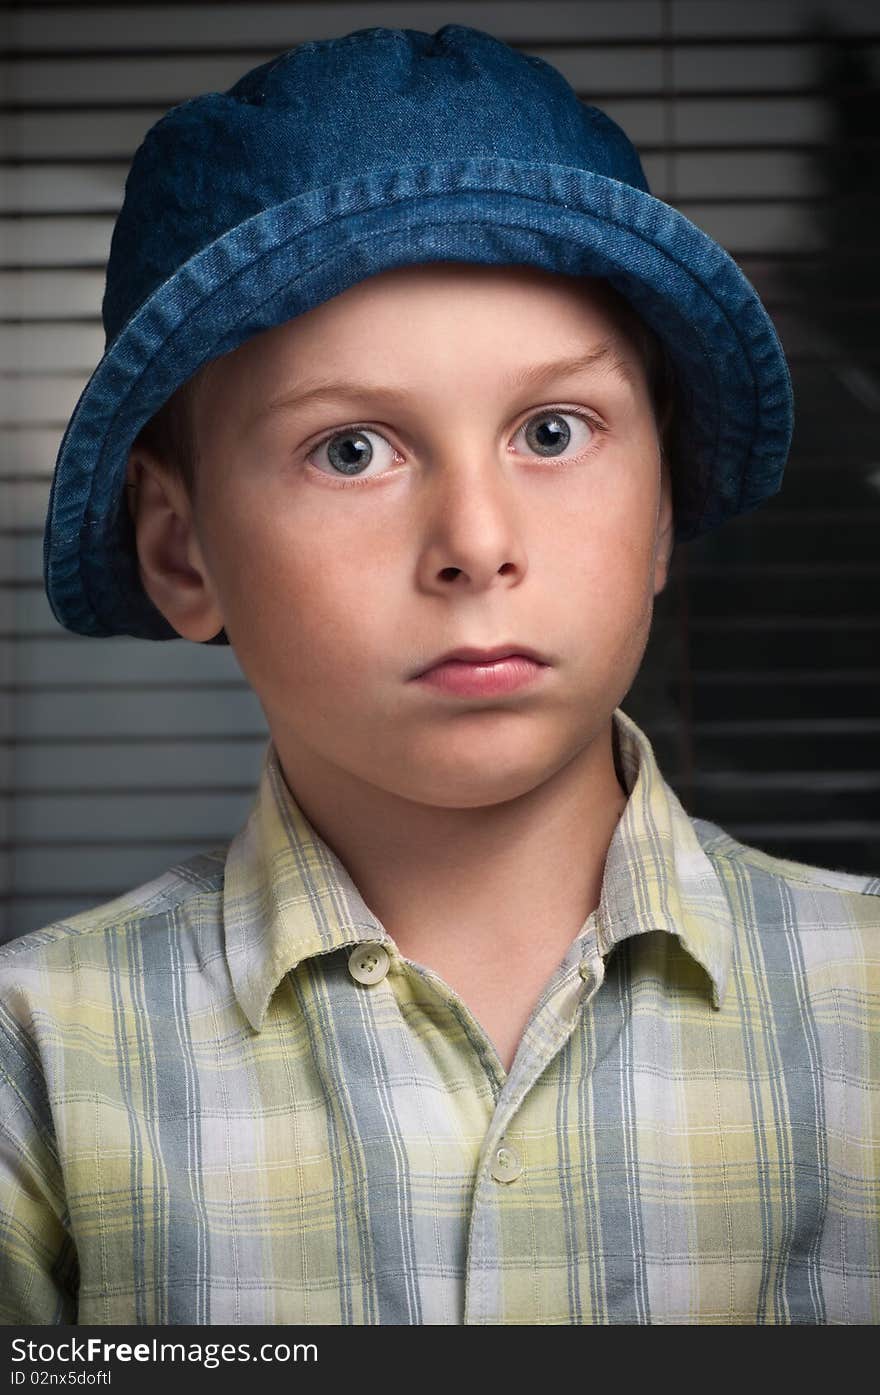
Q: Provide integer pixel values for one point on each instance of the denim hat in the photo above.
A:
(345, 157)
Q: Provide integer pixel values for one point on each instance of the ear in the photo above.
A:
(172, 568)
(665, 529)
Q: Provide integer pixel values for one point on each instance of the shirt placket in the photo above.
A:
(503, 1166)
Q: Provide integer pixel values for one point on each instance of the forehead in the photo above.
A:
(407, 310)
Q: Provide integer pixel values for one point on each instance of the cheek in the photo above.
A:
(605, 572)
(610, 539)
(301, 603)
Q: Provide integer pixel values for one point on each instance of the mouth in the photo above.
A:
(483, 673)
(484, 657)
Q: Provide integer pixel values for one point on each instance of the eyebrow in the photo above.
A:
(604, 355)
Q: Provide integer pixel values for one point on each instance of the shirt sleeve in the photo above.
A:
(38, 1266)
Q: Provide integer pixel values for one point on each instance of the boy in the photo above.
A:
(471, 1022)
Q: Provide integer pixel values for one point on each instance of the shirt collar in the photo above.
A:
(657, 876)
(287, 896)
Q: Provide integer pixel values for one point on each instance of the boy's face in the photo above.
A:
(335, 589)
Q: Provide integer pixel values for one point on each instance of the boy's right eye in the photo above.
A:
(349, 453)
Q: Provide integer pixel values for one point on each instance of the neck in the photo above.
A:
(463, 885)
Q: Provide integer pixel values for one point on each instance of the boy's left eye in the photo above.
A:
(548, 433)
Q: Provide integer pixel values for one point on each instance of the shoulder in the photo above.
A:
(175, 915)
(792, 915)
(722, 848)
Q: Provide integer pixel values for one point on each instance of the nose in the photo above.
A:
(472, 528)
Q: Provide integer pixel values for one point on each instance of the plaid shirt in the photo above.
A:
(227, 1098)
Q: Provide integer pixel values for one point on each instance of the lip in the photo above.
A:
(469, 672)
(466, 653)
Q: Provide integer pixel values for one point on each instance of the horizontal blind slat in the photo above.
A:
(280, 26)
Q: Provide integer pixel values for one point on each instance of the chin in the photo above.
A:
(475, 784)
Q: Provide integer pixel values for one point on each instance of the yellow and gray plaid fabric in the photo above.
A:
(217, 1109)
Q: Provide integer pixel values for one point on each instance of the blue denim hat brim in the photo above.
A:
(735, 396)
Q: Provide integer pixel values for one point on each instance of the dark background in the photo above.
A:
(760, 685)
(765, 654)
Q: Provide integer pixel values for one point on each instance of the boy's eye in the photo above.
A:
(351, 451)
(548, 433)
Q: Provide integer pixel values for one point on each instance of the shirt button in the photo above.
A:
(368, 963)
(585, 969)
(506, 1166)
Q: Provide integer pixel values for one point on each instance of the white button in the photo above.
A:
(585, 969)
(506, 1166)
(368, 963)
